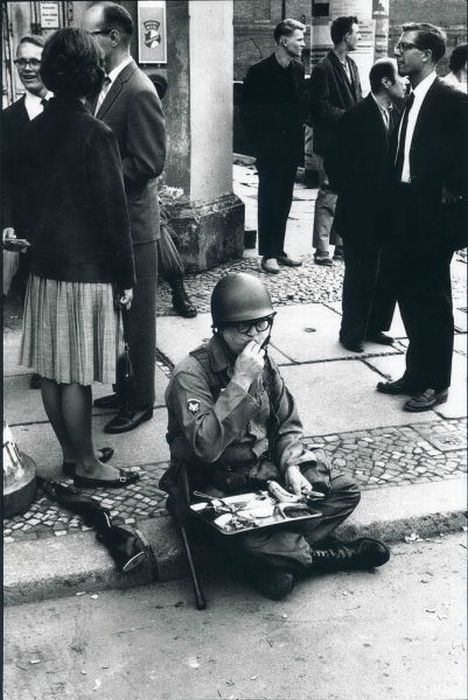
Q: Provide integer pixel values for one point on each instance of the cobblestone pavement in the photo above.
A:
(379, 457)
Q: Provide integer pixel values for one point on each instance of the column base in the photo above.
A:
(210, 233)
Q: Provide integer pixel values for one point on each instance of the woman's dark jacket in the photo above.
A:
(73, 207)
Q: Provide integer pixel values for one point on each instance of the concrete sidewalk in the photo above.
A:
(411, 466)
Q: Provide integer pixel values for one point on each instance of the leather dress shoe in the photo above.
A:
(399, 386)
(104, 455)
(426, 400)
(128, 420)
(274, 585)
(338, 254)
(352, 345)
(326, 262)
(288, 262)
(364, 553)
(125, 478)
(111, 401)
(270, 265)
(380, 338)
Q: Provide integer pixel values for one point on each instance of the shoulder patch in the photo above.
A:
(193, 406)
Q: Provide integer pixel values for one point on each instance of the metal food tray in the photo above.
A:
(245, 503)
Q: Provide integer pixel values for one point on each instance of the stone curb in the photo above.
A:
(58, 567)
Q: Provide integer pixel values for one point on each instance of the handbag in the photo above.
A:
(124, 377)
(170, 264)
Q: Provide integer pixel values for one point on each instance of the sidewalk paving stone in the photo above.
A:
(143, 446)
(309, 333)
(24, 405)
(342, 396)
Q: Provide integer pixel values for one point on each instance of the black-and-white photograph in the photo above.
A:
(235, 349)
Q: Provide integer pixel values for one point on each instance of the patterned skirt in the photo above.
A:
(70, 331)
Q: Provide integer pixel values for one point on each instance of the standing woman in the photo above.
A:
(74, 215)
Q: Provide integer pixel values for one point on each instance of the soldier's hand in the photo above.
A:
(297, 481)
(249, 365)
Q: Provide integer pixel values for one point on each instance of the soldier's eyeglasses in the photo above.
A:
(23, 62)
(404, 46)
(260, 325)
(100, 31)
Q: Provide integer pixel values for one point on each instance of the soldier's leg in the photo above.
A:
(337, 505)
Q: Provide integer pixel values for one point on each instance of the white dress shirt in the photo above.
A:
(110, 80)
(383, 111)
(33, 103)
(420, 92)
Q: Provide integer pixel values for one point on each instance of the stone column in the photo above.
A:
(199, 112)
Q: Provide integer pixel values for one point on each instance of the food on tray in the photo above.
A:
(281, 495)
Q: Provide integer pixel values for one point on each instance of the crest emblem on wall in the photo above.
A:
(152, 35)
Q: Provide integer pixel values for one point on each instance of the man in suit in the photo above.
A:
(129, 104)
(15, 121)
(334, 87)
(429, 167)
(359, 172)
(272, 115)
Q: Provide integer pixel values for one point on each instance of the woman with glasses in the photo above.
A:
(74, 216)
(233, 426)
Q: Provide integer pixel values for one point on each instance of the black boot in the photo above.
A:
(180, 299)
(364, 553)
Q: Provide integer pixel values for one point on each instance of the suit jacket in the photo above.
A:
(15, 123)
(74, 210)
(438, 155)
(330, 94)
(358, 166)
(133, 111)
(271, 110)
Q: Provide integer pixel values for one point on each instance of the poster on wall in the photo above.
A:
(152, 32)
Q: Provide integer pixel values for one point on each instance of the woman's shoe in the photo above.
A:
(125, 478)
(104, 455)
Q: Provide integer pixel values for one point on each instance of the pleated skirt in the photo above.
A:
(70, 331)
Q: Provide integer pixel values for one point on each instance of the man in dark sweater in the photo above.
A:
(15, 122)
(334, 88)
(271, 112)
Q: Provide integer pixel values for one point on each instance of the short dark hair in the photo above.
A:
(342, 26)
(117, 17)
(429, 37)
(384, 68)
(72, 64)
(287, 27)
(34, 39)
(458, 58)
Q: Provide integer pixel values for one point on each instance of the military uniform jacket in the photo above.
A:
(211, 417)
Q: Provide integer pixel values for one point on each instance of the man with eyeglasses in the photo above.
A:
(430, 179)
(233, 425)
(130, 106)
(15, 121)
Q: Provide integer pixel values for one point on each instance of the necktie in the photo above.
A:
(102, 95)
(44, 102)
(401, 142)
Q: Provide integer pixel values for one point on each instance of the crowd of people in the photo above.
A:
(393, 184)
(84, 149)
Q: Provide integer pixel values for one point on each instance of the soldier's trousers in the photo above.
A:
(290, 549)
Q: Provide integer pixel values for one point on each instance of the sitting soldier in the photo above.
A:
(233, 425)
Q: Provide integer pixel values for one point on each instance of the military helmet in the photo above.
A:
(239, 297)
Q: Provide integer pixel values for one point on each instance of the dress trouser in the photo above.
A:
(275, 192)
(421, 274)
(367, 300)
(289, 548)
(323, 232)
(140, 324)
